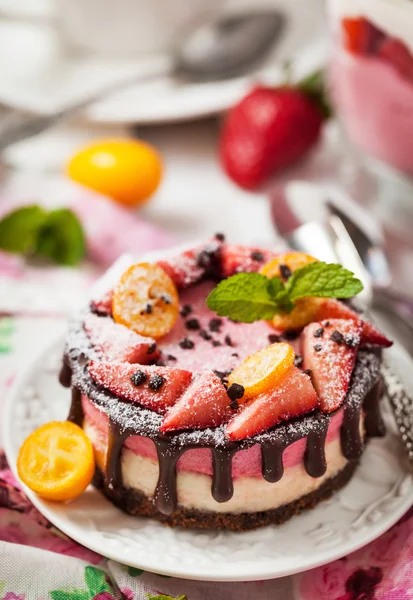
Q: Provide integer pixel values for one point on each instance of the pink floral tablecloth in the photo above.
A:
(38, 562)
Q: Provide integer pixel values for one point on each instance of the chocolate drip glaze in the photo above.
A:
(116, 439)
(272, 460)
(222, 485)
(373, 421)
(128, 419)
(76, 410)
(65, 375)
(165, 497)
(314, 457)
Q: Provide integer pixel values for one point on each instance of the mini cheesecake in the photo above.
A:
(175, 440)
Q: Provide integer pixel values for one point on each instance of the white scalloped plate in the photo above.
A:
(380, 492)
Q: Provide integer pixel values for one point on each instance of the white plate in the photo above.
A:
(380, 492)
(45, 76)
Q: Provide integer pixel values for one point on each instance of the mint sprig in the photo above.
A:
(33, 231)
(249, 297)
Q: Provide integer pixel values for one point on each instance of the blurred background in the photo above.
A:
(135, 125)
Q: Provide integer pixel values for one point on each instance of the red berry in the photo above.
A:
(116, 342)
(330, 351)
(103, 304)
(334, 309)
(204, 404)
(270, 129)
(293, 396)
(249, 259)
(156, 388)
(398, 55)
(360, 36)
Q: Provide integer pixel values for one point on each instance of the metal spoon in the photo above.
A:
(228, 47)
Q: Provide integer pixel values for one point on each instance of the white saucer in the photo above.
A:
(380, 492)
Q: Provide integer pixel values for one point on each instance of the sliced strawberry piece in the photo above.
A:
(157, 388)
(360, 36)
(334, 309)
(398, 55)
(204, 404)
(294, 396)
(116, 342)
(192, 265)
(103, 304)
(330, 353)
(248, 259)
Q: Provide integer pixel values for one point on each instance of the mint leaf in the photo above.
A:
(19, 229)
(276, 286)
(61, 237)
(243, 297)
(322, 280)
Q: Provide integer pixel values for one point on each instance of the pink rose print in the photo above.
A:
(13, 596)
(361, 585)
(385, 551)
(325, 583)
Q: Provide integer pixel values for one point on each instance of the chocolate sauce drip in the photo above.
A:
(76, 409)
(222, 485)
(373, 421)
(165, 497)
(272, 460)
(315, 458)
(116, 438)
(65, 375)
(350, 436)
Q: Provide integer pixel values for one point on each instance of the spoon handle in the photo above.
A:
(18, 126)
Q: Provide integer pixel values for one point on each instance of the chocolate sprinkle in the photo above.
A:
(156, 382)
(151, 349)
(215, 325)
(186, 310)
(222, 374)
(193, 324)
(285, 272)
(318, 332)
(337, 337)
(290, 334)
(257, 256)
(204, 259)
(234, 404)
(138, 377)
(216, 343)
(307, 371)
(298, 361)
(171, 357)
(228, 341)
(220, 237)
(186, 344)
(235, 354)
(205, 335)
(235, 391)
(273, 338)
(326, 323)
(351, 342)
(318, 347)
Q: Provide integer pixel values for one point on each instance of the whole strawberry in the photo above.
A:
(270, 129)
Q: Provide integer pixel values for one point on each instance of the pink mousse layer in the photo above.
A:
(376, 105)
(246, 463)
(245, 338)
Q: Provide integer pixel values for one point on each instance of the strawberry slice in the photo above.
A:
(103, 304)
(334, 309)
(398, 55)
(360, 36)
(293, 396)
(192, 265)
(157, 388)
(116, 342)
(248, 259)
(330, 353)
(204, 404)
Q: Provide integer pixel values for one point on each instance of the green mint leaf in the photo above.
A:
(323, 280)
(275, 286)
(163, 597)
(19, 229)
(96, 581)
(243, 297)
(284, 303)
(61, 238)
